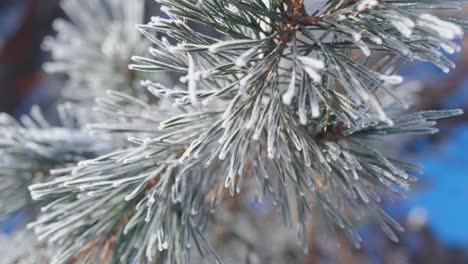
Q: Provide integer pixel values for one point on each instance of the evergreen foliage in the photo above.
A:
(288, 100)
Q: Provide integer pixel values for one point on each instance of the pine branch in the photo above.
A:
(30, 149)
(92, 49)
(284, 103)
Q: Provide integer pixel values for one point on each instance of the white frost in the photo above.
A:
(192, 80)
(312, 67)
(445, 29)
(289, 94)
(392, 79)
(366, 4)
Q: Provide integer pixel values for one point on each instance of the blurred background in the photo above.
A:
(435, 212)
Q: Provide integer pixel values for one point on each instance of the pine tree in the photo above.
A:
(286, 100)
(32, 149)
